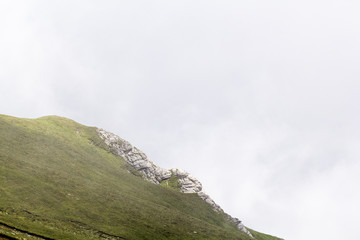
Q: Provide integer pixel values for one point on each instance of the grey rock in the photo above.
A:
(239, 224)
(134, 157)
(189, 184)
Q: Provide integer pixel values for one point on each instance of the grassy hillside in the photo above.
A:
(58, 180)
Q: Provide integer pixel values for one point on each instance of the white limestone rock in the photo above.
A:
(207, 199)
(155, 174)
(189, 184)
(239, 225)
(134, 157)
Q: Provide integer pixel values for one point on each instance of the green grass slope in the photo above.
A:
(58, 180)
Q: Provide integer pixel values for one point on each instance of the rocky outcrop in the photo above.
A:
(189, 184)
(134, 157)
(155, 174)
(208, 199)
(239, 225)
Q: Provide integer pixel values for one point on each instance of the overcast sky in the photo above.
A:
(258, 99)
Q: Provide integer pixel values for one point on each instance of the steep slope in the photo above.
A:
(60, 180)
(178, 179)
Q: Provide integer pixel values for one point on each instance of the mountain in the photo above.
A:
(63, 180)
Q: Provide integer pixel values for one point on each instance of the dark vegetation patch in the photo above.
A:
(172, 182)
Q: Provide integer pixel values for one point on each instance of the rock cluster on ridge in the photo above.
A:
(155, 174)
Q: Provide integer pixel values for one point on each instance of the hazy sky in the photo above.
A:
(258, 99)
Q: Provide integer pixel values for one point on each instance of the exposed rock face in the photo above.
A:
(155, 174)
(208, 199)
(134, 157)
(189, 184)
(239, 225)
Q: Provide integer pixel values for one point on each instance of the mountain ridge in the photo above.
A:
(153, 173)
(61, 180)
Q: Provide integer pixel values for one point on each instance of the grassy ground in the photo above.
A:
(59, 180)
